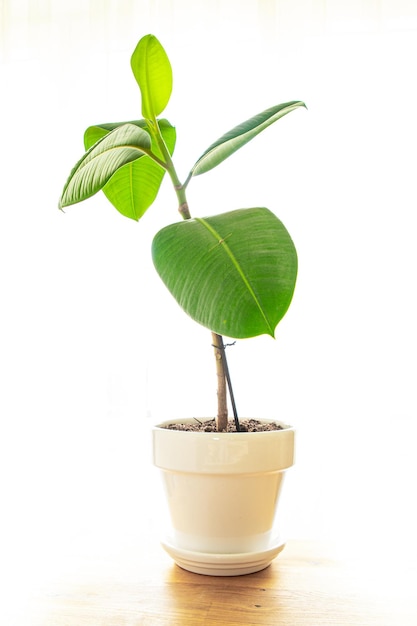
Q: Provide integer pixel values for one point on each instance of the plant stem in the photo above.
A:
(221, 419)
(170, 168)
(223, 377)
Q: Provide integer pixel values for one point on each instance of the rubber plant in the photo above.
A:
(233, 272)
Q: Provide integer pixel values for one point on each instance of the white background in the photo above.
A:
(93, 350)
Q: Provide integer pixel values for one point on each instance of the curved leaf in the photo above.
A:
(134, 187)
(98, 131)
(234, 273)
(240, 135)
(153, 73)
(97, 166)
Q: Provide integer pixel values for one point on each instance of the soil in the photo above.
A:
(209, 426)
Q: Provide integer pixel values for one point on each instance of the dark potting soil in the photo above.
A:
(208, 426)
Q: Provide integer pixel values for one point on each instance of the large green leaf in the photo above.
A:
(234, 273)
(240, 135)
(152, 70)
(102, 160)
(134, 187)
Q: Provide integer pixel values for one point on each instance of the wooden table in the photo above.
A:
(309, 584)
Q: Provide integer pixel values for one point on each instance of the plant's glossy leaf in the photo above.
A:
(98, 131)
(95, 168)
(240, 135)
(153, 73)
(134, 187)
(234, 273)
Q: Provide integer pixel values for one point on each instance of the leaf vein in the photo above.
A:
(222, 240)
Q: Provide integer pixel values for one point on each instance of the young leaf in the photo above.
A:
(239, 136)
(98, 131)
(95, 168)
(153, 73)
(234, 273)
(134, 187)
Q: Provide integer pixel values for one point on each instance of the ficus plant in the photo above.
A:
(233, 272)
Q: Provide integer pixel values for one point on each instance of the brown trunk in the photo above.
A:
(221, 419)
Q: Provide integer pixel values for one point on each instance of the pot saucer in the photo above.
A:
(223, 564)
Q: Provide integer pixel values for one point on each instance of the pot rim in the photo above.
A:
(223, 453)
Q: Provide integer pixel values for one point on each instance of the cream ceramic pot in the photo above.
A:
(222, 492)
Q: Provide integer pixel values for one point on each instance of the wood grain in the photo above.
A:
(308, 585)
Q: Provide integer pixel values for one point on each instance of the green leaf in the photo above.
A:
(134, 187)
(153, 73)
(102, 160)
(98, 131)
(240, 135)
(234, 273)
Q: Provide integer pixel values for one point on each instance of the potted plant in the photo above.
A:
(235, 274)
